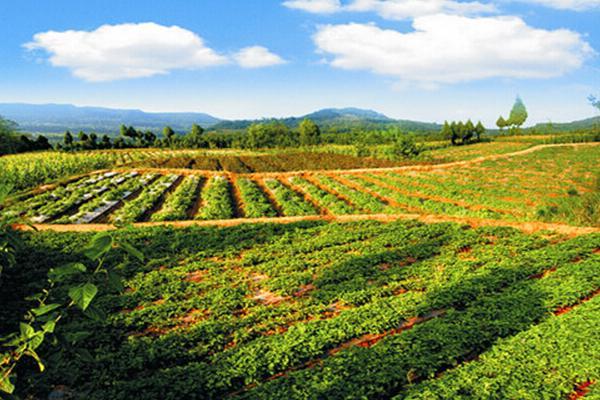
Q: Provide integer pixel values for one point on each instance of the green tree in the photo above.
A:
(105, 142)
(469, 131)
(93, 140)
(195, 137)
(169, 134)
(446, 132)
(479, 130)
(406, 146)
(8, 137)
(82, 136)
(270, 134)
(309, 133)
(149, 138)
(518, 115)
(68, 140)
(454, 132)
(501, 123)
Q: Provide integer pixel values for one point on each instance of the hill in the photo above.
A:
(56, 118)
(568, 126)
(340, 120)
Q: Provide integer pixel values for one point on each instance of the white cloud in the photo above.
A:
(257, 57)
(577, 5)
(406, 9)
(393, 9)
(449, 49)
(315, 6)
(126, 51)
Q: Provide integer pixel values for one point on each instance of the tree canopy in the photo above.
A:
(309, 133)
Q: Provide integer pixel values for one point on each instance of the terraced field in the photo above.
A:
(550, 184)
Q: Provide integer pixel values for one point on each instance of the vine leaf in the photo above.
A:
(131, 250)
(83, 295)
(45, 309)
(98, 246)
(58, 274)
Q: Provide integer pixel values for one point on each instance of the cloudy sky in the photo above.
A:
(413, 59)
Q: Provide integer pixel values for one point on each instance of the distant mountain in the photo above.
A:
(340, 120)
(346, 114)
(56, 118)
(568, 126)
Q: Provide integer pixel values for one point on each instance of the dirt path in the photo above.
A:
(527, 227)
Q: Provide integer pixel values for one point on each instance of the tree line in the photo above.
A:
(11, 141)
(462, 132)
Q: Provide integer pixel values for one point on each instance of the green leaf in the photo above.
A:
(95, 313)
(35, 356)
(98, 246)
(45, 309)
(132, 251)
(58, 274)
(83, 295)
(114, 281)
(36, 340)
(27, 330)
(49, 326)
(5, 385)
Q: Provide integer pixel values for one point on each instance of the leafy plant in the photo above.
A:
(40, 322)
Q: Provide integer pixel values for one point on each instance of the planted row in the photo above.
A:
(125, 186)
(216, 200)
(135, 209)
(324, 199)
(290, 202)
(71, 197)
(178, 204)
(362, 200)
(255, 202)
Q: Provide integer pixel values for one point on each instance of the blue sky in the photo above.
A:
(413, 59)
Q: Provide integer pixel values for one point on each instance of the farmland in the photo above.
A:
(551, 184)
(318, 309)
(358, 278)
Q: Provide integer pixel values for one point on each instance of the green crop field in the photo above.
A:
(252, 275)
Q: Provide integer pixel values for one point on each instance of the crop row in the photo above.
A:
(290, 201)
(323, 198)
(178, 204)
(125, 186)
(135, 209)
(255, 202)
(216, 199)
(58, 201)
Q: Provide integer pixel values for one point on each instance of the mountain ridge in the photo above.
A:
(56, 118)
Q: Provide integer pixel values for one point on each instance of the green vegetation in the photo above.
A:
(311, 309)
(216, 200)
(317, 310)
(139, 207)
(255, 202)
(178, 203)
(291, 203)
(518, 116)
